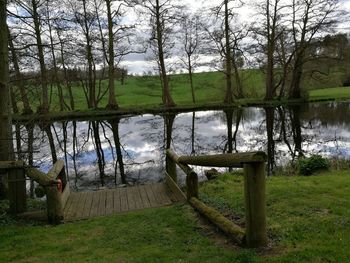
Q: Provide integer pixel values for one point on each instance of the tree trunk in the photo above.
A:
(167, 99)
(19, 79)
(6, 149)
(55, 70)
(112, 102)
(44, 107)
(229, 96)
(295, 86)
(89, 57)
(190, 74)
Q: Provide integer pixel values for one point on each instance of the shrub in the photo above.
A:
(315, 163)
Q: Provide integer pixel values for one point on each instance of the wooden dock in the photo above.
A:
(83, 205)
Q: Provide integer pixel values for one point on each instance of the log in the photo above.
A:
(39, 177)
(232, 230)
(184, 167)
(56, 170)
(173, 186)
(255, 205)
(224, 160)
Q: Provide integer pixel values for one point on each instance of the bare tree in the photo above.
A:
(190, 34)
(162, 16)
(309, 17)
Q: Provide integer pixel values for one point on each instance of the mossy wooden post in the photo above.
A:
(17, 191)
(171, 168)
(255, 204)
(54, 205)
(192, 185)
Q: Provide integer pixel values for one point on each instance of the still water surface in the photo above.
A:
(130, 149)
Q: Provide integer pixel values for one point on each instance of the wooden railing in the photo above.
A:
(48, 184)
(255, 234)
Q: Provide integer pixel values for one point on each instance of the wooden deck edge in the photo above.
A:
(173, 186)
(39, 215)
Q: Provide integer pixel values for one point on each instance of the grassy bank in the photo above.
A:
(145, 92)
(308, 221)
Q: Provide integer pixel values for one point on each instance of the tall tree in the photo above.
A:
(190, 34)
(19, 78)
(309, 17)
(6, 149)
(162, 16)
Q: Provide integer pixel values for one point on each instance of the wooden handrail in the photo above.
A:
(224, 160)
(253, 164)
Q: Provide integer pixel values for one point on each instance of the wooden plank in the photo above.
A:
(109, 202)
(65, 195)
(74, 202)
(164, 193)
(124, 205)
(131, 201)
(95, 204)
(102, 203)
(80, 210)
(116, 200)
(87, 205)
(145, 200)
(151, 197)
(160, 194)
(137, 197)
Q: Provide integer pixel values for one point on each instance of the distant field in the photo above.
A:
(145, 91)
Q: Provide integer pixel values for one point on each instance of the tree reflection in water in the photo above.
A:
(130, 149)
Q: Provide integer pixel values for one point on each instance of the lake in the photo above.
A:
(130, 149)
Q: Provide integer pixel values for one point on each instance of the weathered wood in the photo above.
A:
(171, 168)
(232, 230)
(192, 185)
(54, 205)
(39, 177)
(56, 170)
(224, 160)
(255, 204)
(40, 215)
(6, 165)
(172, 155)
(65, 195)
(17, 191)
(173, 186)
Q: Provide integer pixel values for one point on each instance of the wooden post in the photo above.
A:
(255, 204)
(17, 191)
(54, 205)
(171, 168)
(192, 185)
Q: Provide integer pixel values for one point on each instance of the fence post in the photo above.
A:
(171, 168)
(255, 204)
(192, 185)
(17, 191)
(54, 205)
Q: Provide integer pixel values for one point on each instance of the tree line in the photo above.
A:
(80, 43)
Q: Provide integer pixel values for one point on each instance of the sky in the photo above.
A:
(139, 64)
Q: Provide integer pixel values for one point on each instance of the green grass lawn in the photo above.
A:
(308, 221)
(335, 93)
(308, 217)
(145, 92)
